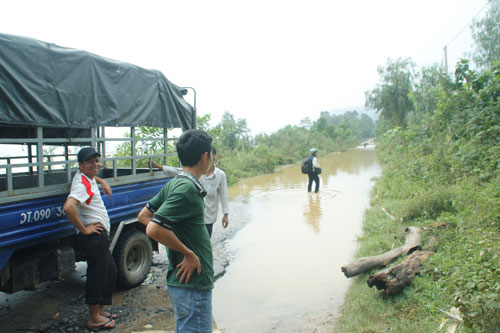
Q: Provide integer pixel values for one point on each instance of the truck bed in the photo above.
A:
(31, 222)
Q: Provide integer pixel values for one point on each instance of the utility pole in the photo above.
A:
(446, 59)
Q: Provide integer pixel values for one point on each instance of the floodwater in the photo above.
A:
(284, 273)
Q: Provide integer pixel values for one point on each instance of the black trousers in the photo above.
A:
(313, 177)
(210, 226)
(101, 268)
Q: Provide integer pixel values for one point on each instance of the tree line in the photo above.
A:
(240, 155)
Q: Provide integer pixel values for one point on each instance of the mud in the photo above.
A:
(59, 306)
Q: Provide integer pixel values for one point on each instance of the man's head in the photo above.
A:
(214, 155)
(192, 145)
(89, 162)
(313, 152)
(212, 164)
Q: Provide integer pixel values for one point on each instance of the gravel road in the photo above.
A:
(59, 306)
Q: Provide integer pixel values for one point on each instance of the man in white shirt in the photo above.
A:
(215, 184)
(86, 211)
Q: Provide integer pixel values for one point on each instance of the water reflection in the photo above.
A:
(312, 212)
(284, 274)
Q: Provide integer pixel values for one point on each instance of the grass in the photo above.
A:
(464, 272)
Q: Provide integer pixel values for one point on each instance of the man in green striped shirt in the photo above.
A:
(177, 216)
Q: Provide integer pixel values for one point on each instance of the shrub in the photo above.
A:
(428, 205)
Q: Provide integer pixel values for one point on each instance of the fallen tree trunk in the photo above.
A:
(365, 264)
(395, 278)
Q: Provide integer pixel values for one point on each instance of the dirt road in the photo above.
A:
(59, 306)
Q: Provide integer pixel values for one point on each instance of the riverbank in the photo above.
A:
(463, 273)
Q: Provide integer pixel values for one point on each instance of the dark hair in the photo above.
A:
(191, 145)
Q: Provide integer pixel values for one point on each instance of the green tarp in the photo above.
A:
(42, 84)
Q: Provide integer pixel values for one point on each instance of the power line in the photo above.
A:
(487, 2)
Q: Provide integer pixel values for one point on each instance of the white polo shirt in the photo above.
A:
(91, 208)
(216, 187)
(315, 163)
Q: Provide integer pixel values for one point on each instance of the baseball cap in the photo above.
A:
(87, 153)
(313, 150)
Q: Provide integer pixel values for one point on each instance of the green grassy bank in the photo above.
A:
(464, 272)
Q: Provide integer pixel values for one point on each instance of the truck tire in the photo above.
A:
(133, 256)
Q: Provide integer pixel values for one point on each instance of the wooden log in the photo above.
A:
(395, 278)
(365, 264)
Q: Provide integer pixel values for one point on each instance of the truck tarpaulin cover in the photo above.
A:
(44, 84)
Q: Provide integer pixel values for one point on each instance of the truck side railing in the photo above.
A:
(43, 173)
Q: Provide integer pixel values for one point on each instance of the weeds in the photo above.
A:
(464, 272)
(428, 205)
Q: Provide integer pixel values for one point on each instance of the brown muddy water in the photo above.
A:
(284, 273)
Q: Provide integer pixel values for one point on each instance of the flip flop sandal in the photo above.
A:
(103, 326)
(112, 316)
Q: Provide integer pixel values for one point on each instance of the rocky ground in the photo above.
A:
(59, 306)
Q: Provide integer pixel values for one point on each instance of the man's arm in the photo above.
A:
(170, 171)
(145, 216)
(223, 198)
(105, 186)
(72, 214)
(189, 264)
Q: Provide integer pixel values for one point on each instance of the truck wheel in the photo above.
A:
(133, 256)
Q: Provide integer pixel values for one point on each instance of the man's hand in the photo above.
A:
(94, 228)
(105, 187)
(189, 263)
(187, 266)
(225, 220)
(72, 214)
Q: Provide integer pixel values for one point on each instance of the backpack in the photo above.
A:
(307, 165)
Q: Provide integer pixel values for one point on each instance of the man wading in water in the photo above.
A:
(316, 170)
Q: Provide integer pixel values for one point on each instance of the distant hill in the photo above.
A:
(360, 109)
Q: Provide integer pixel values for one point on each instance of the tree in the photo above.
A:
(367, 126)
(486, 35)
(203, 122)
(391, 97)
(145, 147)
(306, 123)
(234, 133)
(432, 82)
(148, 147)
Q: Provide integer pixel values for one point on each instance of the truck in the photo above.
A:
(54, 101)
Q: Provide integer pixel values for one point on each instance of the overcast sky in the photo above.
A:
(272, 63)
